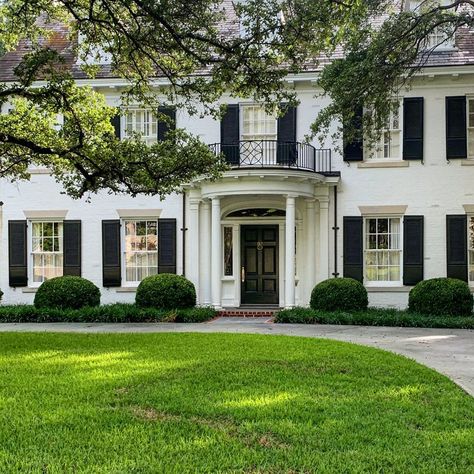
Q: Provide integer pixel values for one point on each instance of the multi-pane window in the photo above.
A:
(46, 250)
(471, 248)
(143, 122)
(382, 249)
(470, 127)
(388, 145)
(257, 124)
(438, 38)
(141, 249)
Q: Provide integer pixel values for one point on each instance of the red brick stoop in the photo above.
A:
(247, 313)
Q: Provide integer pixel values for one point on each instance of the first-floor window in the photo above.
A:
(471, 247)
(47, 250)
(382, 249)
(141, 249)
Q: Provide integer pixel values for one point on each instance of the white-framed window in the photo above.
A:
(389, 144)
(470, 127)
(257, 124)
(437, 39)
(470, 245)
(46, 239)
(382, 250)
(140, 253)
(143, 122)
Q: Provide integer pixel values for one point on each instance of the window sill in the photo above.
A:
(228, 278)
(388, 289)
(384, 164)
(126, 289)
(30, 289)
(468, 162)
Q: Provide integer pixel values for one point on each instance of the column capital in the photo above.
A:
(291, 196)
(194, 202)
(310, 202)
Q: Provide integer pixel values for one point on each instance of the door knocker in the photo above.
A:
(259, 245)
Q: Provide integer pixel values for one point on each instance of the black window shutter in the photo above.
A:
(117, 125)
(164, 127)
(413, 239)
(456, 240)
(166, 245)
(354, 150)
(111, 261)
(456, 133)
(230, 134)
(17, 254)
(353, 248)
(286, 136)
(72, 248)
(413, 128)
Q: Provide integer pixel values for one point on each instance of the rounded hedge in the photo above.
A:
(339, 294)
(67, 292)
(166, 291)
(441, 296)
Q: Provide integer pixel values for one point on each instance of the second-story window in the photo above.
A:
(470, 127)
(257, 124)
(143, 122)
(388, 145)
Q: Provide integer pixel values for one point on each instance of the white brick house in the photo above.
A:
(286, 216)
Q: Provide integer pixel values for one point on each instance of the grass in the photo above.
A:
(373, 317)
(181, 403)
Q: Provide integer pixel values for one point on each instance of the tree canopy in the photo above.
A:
(189, 54)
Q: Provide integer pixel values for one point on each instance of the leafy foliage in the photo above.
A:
(443, 296)
(199, 50)
(111, 313)
(165, 291)
(373, 317)
(67, 292)
(339, 294)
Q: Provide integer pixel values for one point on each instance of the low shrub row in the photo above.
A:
(111, 313)
(373, 317)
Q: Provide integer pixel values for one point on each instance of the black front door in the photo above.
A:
(259, 264)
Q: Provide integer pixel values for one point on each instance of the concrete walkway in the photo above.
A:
(449, 351)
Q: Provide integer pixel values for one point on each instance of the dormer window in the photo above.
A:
(438, 39)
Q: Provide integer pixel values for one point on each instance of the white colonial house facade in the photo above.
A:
(286, 215)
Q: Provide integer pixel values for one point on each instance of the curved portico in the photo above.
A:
(258, 229)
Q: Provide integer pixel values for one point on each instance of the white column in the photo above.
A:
(290, 251)
(324, 238)
(193, 247)
(310, 257)
(216, 252)
(206, 233)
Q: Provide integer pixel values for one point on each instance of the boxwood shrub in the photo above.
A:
(67, 292)
(441, 296)
(165, 291)
(339, 294)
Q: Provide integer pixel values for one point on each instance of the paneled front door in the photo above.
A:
(259, 264)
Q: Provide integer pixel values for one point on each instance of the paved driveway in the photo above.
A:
(450, 351)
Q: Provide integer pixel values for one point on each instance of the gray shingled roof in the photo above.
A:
(60, 40)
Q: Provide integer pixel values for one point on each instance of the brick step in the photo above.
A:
(247, 313)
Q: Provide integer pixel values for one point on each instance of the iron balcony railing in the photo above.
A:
(275, 154)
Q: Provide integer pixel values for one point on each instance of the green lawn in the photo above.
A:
(224, 403)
